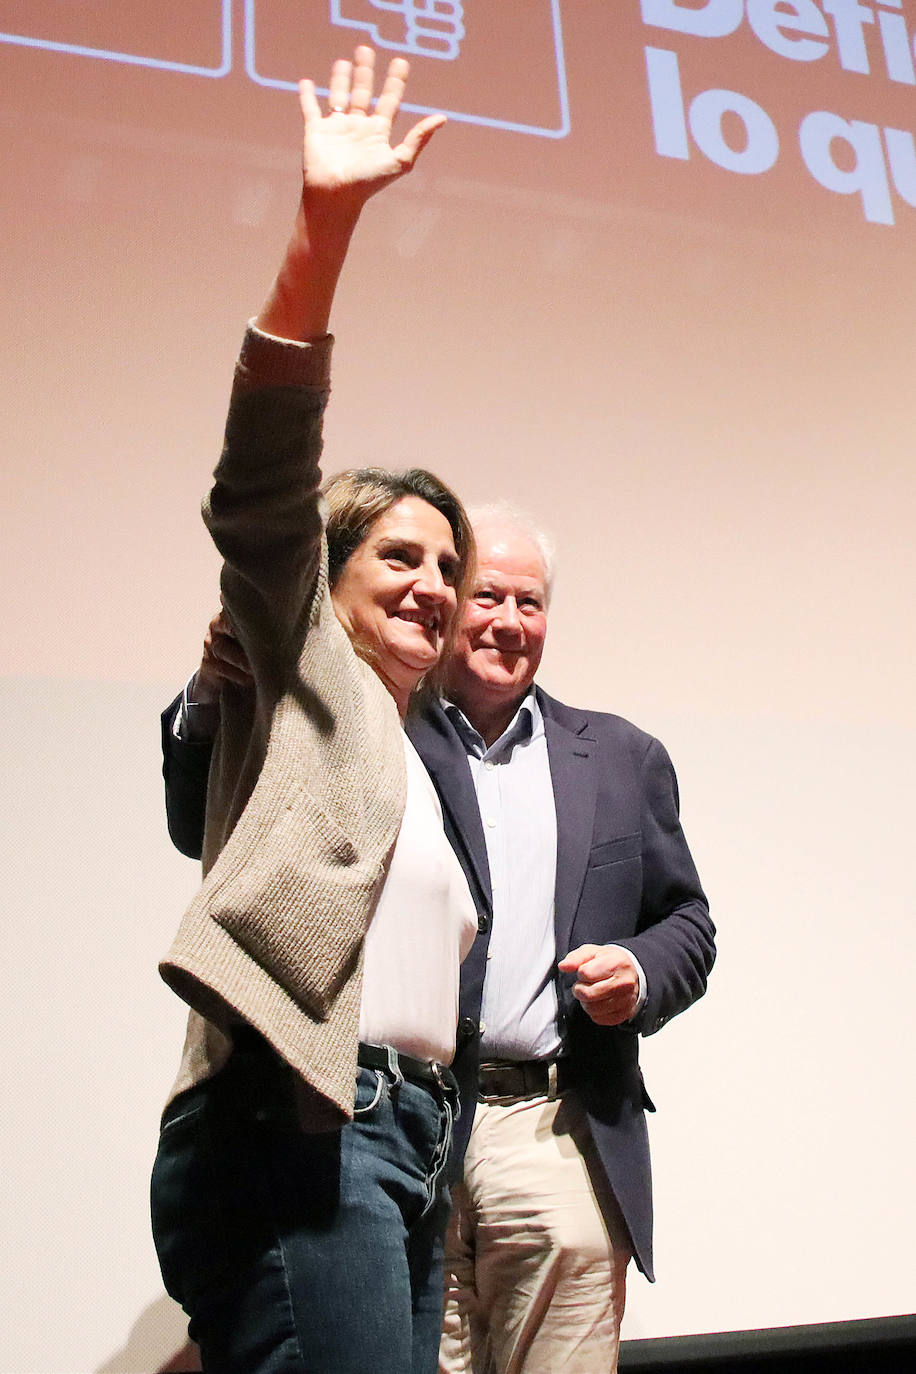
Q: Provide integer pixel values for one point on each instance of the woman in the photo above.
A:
(301, 1229)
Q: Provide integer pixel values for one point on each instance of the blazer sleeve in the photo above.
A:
(185, 769)
(675, 941)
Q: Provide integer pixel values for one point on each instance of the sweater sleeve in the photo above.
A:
(263, 510)
(264, 515)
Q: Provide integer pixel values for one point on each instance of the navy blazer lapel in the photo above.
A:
(436, 741)
(574, 773)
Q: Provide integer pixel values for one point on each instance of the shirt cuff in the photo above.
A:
(640, 974)
(194, 722)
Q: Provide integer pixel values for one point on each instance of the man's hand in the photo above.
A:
(223, 660)
(607, 984)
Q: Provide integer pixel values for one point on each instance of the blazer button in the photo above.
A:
(483, 923)
(467, 1027)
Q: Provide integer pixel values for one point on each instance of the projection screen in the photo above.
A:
(654, 281)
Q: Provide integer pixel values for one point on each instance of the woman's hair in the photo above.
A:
(355, 499)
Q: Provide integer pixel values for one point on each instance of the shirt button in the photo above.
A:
(489, 765)
(483, 1027)
(491, 824)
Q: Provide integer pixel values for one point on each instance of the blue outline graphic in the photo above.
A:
(131, 59)
(338, 20)
(459, 115)
(159, 64)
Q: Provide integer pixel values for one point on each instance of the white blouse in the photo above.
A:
(423, 926)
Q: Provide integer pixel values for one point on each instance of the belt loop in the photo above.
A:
(552, 1081)
(448, 1091)
(394, 1068)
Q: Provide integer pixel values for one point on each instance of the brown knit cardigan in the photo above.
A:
(307, 784)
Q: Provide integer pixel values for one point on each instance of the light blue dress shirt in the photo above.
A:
(518, 814)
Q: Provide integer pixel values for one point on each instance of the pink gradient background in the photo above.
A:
(701, 382)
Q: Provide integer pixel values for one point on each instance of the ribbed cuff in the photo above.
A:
(268, 361)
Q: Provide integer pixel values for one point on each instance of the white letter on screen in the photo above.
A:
(869, 176)
(706, 112)
(714, 20)
(769, 24)
(901, 154)
(667, 103)
(897, 52)
(848, 18)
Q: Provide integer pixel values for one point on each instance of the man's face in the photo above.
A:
(501, 637)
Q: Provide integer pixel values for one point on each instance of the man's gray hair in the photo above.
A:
(507, 513)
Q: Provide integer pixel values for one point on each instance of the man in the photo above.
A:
(593, 928)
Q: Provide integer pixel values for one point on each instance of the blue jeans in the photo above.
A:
(297, 1252)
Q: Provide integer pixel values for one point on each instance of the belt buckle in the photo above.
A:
(516, 1082)
(511, 1087)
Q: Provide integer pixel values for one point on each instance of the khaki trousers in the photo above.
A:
(537, 1250)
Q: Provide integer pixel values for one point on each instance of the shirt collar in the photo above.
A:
(527, 724)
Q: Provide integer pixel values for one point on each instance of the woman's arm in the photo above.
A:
(347, 157)
(263, 509)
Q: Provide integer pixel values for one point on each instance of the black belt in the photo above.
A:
(249, 1042)
(426, 1072)
(498, 1079)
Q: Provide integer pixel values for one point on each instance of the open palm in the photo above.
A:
(351, 145)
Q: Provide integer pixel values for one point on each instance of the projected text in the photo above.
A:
(845, 155)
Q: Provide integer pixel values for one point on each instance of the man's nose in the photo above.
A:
(507, 619)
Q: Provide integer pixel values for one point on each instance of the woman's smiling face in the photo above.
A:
(396, 594)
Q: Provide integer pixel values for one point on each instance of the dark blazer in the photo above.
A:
(624, 876)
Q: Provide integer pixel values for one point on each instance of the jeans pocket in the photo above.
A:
(189, 1226)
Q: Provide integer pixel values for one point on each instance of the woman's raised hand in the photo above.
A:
(347, 157)
(348, 151)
